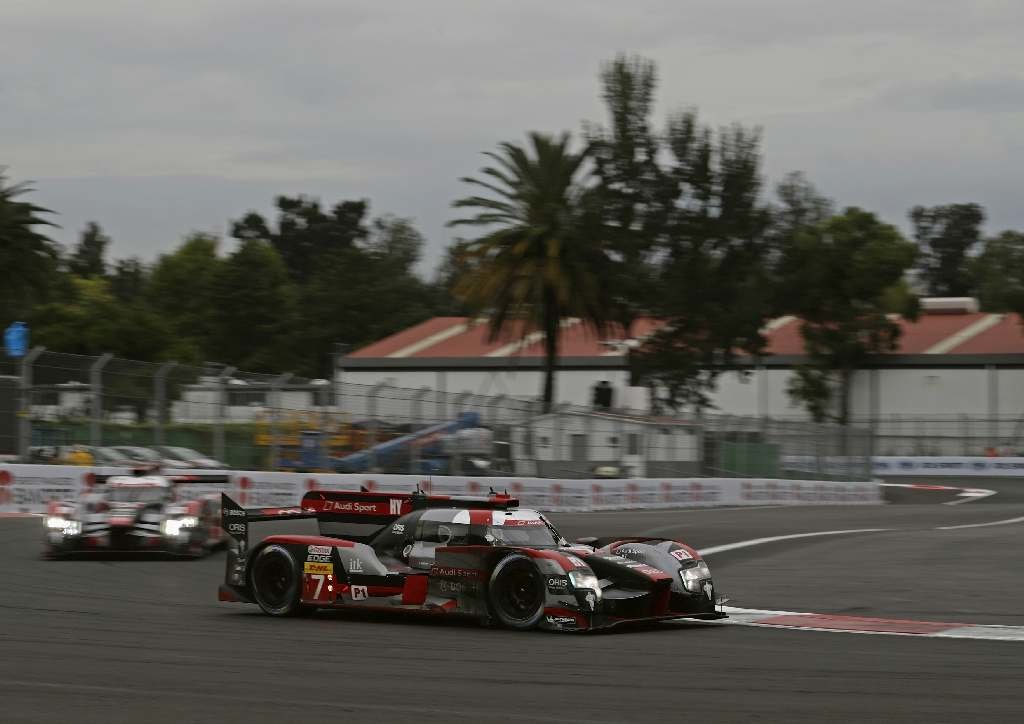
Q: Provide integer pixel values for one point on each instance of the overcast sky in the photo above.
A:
(155, 119)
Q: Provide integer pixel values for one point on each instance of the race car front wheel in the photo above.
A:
(275, 580)
(516, 592)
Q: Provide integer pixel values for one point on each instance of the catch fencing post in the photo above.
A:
(275, 406)
(96, 403)
(160, 399)
(418, 423)
(25, 415)
(218, 427)
(371, 440)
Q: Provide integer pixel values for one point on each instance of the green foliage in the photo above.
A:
(91, 321)
(841, 272)
(713, 289)
(946, 236)
(684, 232)
(180, 290)
(998, 273)
(28, 259)
(252, 310)
(536, 266)
(305, 233)
(634, 195)
(87, 260)
(129, 280)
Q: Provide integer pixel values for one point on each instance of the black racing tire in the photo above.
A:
(517, 592)
(276, 581)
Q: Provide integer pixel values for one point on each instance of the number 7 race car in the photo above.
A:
(482, 557)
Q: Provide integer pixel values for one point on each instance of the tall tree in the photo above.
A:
(253, 309)
(305, 232)
(128, 280)
(946, 237)
(180, 291)
(87, 259)
(27, 257)
(998, 273)
(713, 289)
(633, 194)
(535, 266)
(843, 269)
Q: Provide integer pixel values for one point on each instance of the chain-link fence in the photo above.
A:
(104, 410)
(937, 435)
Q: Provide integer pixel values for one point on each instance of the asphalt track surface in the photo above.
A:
(146, 640)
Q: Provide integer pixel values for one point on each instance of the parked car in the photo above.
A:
(151, 457)
(194, 458)
(108, 456)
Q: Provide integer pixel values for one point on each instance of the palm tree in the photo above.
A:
(540, 262)
(28, 258)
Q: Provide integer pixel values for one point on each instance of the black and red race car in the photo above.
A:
(482, 557)
(142, 513)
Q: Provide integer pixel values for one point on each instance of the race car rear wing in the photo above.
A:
(352, 515)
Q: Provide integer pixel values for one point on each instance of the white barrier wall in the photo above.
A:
(27, 489)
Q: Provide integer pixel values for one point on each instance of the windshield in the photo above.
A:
(141, 453)
(183, 453)
(137, 494)
(521, 533)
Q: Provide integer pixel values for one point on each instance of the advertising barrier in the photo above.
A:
(959, 467)
(27, 489)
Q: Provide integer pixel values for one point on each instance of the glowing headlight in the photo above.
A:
(63, 525)
(175, 526)
(693, 576)
(585, 579)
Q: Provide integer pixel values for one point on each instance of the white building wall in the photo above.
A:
(900, 391)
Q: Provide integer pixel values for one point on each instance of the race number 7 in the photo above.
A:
(318, 587)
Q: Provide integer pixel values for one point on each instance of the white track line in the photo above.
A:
(1008, 521)
(777, 538)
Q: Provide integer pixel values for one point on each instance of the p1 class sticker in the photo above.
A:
(359, 593)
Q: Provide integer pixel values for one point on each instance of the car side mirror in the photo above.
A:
(587, 540)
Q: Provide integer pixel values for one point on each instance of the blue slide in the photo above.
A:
(394, 452)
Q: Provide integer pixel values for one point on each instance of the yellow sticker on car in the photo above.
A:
(322, 568)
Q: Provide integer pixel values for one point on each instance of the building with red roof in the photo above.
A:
(953, 360)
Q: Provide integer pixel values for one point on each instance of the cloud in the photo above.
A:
(157, 118)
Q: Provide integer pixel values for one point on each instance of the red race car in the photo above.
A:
(482, 557)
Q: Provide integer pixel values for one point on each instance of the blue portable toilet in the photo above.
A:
(311, 450)
(16, 339)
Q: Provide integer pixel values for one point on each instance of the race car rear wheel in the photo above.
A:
(275, 580)
(516, 592)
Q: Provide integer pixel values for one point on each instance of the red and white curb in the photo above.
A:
(835, 623)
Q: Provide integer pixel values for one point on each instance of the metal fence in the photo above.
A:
(70, 408)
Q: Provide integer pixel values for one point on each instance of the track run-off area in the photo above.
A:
(145, 639)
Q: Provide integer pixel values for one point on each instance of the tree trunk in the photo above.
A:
(845, 375)
(550, 349)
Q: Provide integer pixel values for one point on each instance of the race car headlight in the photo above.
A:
(585, 579)
(693, 576)
(176, 526)
(63, 525)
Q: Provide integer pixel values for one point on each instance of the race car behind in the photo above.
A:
(141, 513)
